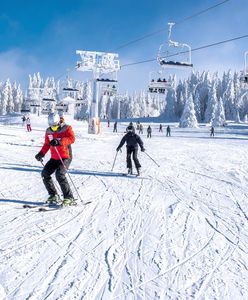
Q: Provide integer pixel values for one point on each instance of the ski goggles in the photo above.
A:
(55, 127)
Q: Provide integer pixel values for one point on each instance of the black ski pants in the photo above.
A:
(133, 151)
(56, 166)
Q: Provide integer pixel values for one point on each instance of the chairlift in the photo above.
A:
(49, 99)
(158, 86)
(163, 57)
(45, 111)
(25, 110)
(244, 73)
(107, 86)
(35, 105)
(70, 90)
(106, 80)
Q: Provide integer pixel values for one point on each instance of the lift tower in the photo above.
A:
(99, 63)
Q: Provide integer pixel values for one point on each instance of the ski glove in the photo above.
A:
(118, 149)
(55, 142)
(39, 156)
(143, 149)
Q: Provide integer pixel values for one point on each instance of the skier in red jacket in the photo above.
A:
(58, 139)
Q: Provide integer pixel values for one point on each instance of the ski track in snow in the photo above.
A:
(176, 232)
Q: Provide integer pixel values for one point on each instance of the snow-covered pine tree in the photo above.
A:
(188, 118)
(17, 97)
(7, 97)
(228, 100)
(212, 100)
(169, 113)
(218, 118)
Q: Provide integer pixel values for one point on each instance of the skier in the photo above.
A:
(168, 131)
(108, 123)
(23, 120)
(28, 123)
(115, 127)
(160, 128)
(212, 131)
(141, 129)
(58, 138)
(132, 141)
(149, 132)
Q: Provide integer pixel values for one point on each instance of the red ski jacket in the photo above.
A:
(66, 136)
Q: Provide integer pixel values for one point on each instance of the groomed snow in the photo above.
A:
(180, 231)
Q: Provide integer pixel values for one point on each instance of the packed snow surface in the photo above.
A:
(179, 231)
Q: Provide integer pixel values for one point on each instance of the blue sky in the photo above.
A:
(44, 35)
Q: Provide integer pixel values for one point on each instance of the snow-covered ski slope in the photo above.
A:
(177, 232)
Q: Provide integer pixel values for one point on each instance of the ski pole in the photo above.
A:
(114, 161)
(66, 169)
(152, 159)
(68, 173)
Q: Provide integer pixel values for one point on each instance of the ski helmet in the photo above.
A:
(53, 119)
(130, 128)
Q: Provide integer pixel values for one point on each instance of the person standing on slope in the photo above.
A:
(28, 123)
(132, 141)
(58, 139)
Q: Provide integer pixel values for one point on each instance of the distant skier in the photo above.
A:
(132, 141)
(115, 127)
(141, 129)
(212, 131)
(168, 131)
(23, 120)
(149, 132)
(108, 123)
(160, 128)
(28, 124)
(58, 138)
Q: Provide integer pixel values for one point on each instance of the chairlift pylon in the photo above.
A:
(164, 57)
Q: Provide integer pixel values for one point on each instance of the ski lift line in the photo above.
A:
(165, 29)
(201, 12)
(195, 49)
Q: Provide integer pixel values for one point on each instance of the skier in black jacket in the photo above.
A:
(132, 140)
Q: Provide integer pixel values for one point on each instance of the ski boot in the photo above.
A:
(53, 199)
(130, 171)
(69, 202)
(138, 171)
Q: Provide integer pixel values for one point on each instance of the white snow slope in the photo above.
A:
(180, 231)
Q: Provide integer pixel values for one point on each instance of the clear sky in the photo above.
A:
(43, 36)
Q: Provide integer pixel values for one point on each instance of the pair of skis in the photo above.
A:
(50, 207)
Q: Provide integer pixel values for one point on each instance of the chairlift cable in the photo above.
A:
(164, 29)
(195, 49)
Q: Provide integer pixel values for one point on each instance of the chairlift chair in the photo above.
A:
(163, 57)
(48, 99)
(244, 73)
(159, 85)
(70, 90)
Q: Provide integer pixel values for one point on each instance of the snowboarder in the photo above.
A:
(58, 138)
(212, 131)
(149, 132)
(168, 131)
(115, 127)
(160, 128)
(132, 141)
(28, 123)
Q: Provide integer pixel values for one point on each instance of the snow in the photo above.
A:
(177, 232)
